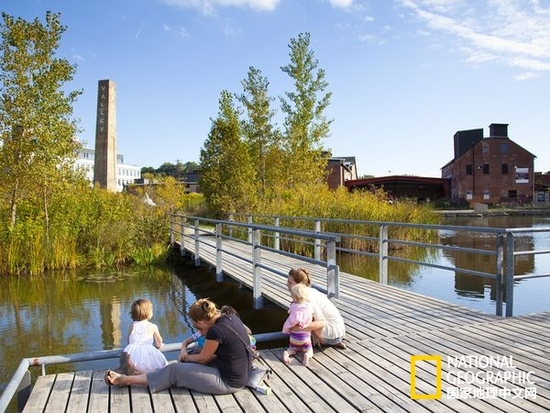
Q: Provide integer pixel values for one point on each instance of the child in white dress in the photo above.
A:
(142, 354)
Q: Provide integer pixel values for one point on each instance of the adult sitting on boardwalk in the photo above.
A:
(328, 328)
(222, 367)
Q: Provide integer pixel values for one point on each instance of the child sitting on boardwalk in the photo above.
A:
(300, 315)
(142, 353)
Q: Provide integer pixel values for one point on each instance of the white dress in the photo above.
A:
(143, 354)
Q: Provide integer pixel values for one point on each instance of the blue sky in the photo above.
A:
(405, 74)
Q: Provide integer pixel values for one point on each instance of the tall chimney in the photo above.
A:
(105, 162)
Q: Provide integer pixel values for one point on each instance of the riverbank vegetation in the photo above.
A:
(50, 218)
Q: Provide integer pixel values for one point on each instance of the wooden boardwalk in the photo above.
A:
(385, 327)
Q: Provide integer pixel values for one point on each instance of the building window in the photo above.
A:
(485, 148)
(504, 148)
(486, 194)
(469, 169)
(512, 194)
(485, 168)
(504, 169)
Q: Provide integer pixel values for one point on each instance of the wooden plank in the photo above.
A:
(99, 393)
(289, 389)
(183, 400)
(80, 393)
(119, 399)
(227, 403)
(250, 401)
(40, 393)
(205, 402)
(162, 402)
(306, 383)
(61, 389)
(141, 401)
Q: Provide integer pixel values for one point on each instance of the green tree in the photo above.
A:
(261, 137)
(305, 124)
(226, 172)
(37, 132)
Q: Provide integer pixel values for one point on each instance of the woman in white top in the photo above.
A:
(328, 324)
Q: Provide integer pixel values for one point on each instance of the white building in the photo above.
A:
(125, 173)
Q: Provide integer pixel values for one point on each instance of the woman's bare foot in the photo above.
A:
(112, 378)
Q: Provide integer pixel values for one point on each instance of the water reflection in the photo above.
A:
(457, 286)
(81, 311)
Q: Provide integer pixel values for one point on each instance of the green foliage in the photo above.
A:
(88, 227)
(260, 136)
(305, 123)
(226, 174)
(36, 130)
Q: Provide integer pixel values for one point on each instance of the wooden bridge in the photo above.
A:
(406, 353)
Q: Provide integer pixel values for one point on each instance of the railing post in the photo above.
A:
(277, 236)
(182, 234)
(257, 269)
(333, 273)
(383, 255)
(172, 237)
(197, 244)
(250, 229)
(219, 263)
(500, 275)
(317, 253)
(231, 226)
(510, 270)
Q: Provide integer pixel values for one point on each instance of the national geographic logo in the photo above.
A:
(437, 376)
(471, 377)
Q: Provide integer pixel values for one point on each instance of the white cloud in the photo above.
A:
(513, 32)
(344, 4)
(208, 6)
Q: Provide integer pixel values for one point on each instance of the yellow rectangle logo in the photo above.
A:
(438, 363)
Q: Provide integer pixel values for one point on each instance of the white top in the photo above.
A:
(143, 354)
(324, 309)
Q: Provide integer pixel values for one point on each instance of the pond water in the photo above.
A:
(530, 295)
(88, 311)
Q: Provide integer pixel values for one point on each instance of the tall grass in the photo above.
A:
(320, 202)
(87, 228)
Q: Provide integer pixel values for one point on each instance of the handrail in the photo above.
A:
(21, 377)
(504, 252)
(254, 239)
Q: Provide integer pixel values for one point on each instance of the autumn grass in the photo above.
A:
(87, 228)
(341, 205)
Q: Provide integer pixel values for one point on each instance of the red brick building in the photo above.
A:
(491, 170)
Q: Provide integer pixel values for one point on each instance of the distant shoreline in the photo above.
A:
(495, 212)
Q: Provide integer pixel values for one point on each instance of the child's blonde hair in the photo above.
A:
(300, 293)
(142, 309)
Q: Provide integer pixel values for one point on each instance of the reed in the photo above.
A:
(368, 206)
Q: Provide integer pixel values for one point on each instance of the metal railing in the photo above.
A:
(192, 229)
(322, 241)
(20, 383)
